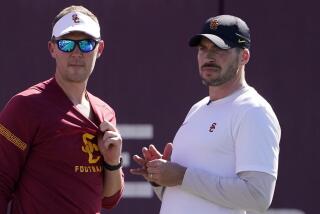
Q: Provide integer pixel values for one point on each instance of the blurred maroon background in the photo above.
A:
(149, 75)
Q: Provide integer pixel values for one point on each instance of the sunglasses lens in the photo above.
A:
(87, 45)
(66, 45)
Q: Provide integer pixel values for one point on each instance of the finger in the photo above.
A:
(167, 151)
(111, 141)
(114, 139)
(150, 176)
(155, 163)
(154, 152)
(111, 137)
(146, 154)
(110, 134)
(106, 125)
(108, 143)
(139, 160)
(139, 171)
(154, 177)
(153, 170)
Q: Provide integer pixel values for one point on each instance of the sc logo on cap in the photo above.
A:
(75, 18)
(214, 24)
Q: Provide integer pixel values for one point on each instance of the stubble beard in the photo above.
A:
(222, 78)
(69, 76)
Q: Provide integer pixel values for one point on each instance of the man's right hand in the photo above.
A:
(150, 154)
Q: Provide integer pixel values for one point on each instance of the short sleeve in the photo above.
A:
(257, 142)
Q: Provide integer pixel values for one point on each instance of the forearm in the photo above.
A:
(249, 191)
(113, 182)
(113, 188)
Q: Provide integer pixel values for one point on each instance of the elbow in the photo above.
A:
(260, 202)
(261, 205)
(262, 194)
(109, 205)
(112, 201)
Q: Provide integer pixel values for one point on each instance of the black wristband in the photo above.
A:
(112, 167)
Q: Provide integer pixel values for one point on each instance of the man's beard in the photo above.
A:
(228, 75)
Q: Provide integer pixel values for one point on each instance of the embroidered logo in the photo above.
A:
(90, 147)
(212, 127)
(75, 18)
(214, 24)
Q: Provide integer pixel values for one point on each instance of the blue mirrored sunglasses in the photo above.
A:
(68, 45)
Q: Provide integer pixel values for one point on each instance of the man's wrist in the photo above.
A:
(113, 167)
(154, 184)
(182, 171)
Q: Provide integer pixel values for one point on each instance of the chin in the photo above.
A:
(211, 82)
(77, 78)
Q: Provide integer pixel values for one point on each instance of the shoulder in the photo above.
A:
(250, 99)
(22, 112)
(33, 91)
(25, 98)
(251, 106)
(26, 101)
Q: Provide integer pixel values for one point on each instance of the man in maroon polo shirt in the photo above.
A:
(59, 146)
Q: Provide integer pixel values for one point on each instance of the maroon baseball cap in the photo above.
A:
(225, 31)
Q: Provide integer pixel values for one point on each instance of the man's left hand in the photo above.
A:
(165, 173)
(110, 144)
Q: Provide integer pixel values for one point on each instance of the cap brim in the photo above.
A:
(195, 41)
(80, 28)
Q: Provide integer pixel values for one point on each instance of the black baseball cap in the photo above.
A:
(225, 31)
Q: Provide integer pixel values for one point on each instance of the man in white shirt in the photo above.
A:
(225, 154)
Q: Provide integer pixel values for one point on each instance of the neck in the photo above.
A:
(224, 90)
(75, 91)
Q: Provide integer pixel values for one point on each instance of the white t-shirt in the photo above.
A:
(234, 134)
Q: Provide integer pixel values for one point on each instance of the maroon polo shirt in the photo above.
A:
(49, 158)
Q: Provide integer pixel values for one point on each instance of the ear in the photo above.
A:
(245, 56)
(51, 48)
(100, 48)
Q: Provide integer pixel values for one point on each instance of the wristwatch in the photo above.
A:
(112, 167)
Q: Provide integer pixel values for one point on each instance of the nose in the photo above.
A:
(211, 56)
(76, 51)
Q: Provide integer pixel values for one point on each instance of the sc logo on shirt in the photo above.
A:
(212, 127)
(89, 148)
